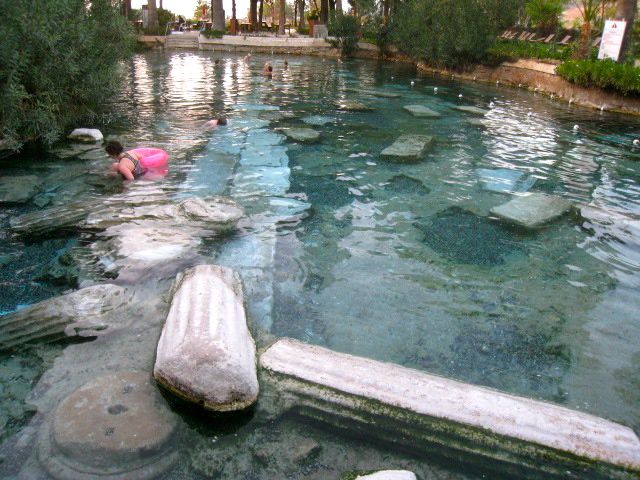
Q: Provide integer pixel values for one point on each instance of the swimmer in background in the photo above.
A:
(267, 69)
(216, 122)
(217, 62)
(128, 163)
(286, 64)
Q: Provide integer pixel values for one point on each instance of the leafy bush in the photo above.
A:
(312, 15)
(345, 30)
(59, 63)
(545, 14)
(450, 33)
(606, 74)
(302, 30)
(208, 33)
(376, 31)
(513, 50)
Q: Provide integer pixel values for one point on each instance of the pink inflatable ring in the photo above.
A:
(152, 158)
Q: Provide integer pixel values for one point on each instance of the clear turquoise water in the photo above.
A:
(400, 262)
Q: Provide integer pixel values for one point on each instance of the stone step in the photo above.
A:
(407, 148)
(206, 354)
(428, 413)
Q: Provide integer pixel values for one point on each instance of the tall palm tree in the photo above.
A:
(217, 15)
(589, 11)
(626, 10)
(152, 16)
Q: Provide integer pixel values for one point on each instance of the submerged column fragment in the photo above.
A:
(428, 413)
(206, 354)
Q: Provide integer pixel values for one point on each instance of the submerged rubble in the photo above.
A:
(87, 312)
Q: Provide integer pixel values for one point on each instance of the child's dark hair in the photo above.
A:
(270, 68)
(222, 120)
(114, 148)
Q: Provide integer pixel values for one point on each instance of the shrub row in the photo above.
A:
(514, 49)
(607, 74)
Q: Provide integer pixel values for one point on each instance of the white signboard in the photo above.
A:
(612, 39)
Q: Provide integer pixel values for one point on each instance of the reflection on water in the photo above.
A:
(398, 262)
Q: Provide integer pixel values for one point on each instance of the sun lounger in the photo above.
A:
(565, 41)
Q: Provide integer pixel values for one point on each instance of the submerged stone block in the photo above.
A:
(428, 413)
(352, 106)
(421, 111)
(318, 120)
(472, 110)
(42, 223)
(504, 180)
(114, 427)
(407, 148)
(19, 189)
(532, 210)
(302, 134)
(206, 354)
(84, 313)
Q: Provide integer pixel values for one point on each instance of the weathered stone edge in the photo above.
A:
(420, 432)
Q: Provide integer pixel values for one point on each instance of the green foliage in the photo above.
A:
(212, 33)
(59, 63)
(514, 49)
(345, 29)
(312, 14)
(375, 30)
(450, 33)
(545, 14)
(302, 30)
(606, 74)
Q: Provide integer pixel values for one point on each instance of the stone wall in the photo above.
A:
(541, 77)
(273, 45)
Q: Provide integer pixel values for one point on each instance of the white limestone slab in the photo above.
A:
(532, 210)
(353, 106)
(264, 156)
(261, 181)
(421, 111)
(413, 406)
(407, 147)
(206, 354)
(471, 109)
(389, 475)
(318, 120)
(86, 135)
(302, 134)
(504, 180)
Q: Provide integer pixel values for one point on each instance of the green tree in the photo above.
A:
(627, 10)
(59, 64)
(545, 14)
(450, 33)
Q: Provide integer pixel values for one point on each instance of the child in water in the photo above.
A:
(127, 163)
(216, 122)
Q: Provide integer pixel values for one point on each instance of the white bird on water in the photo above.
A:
(412, 83)
(576, 128)
(529, 115)
(460, 96)
(636, 142)
(435, 89)
(491, 104)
